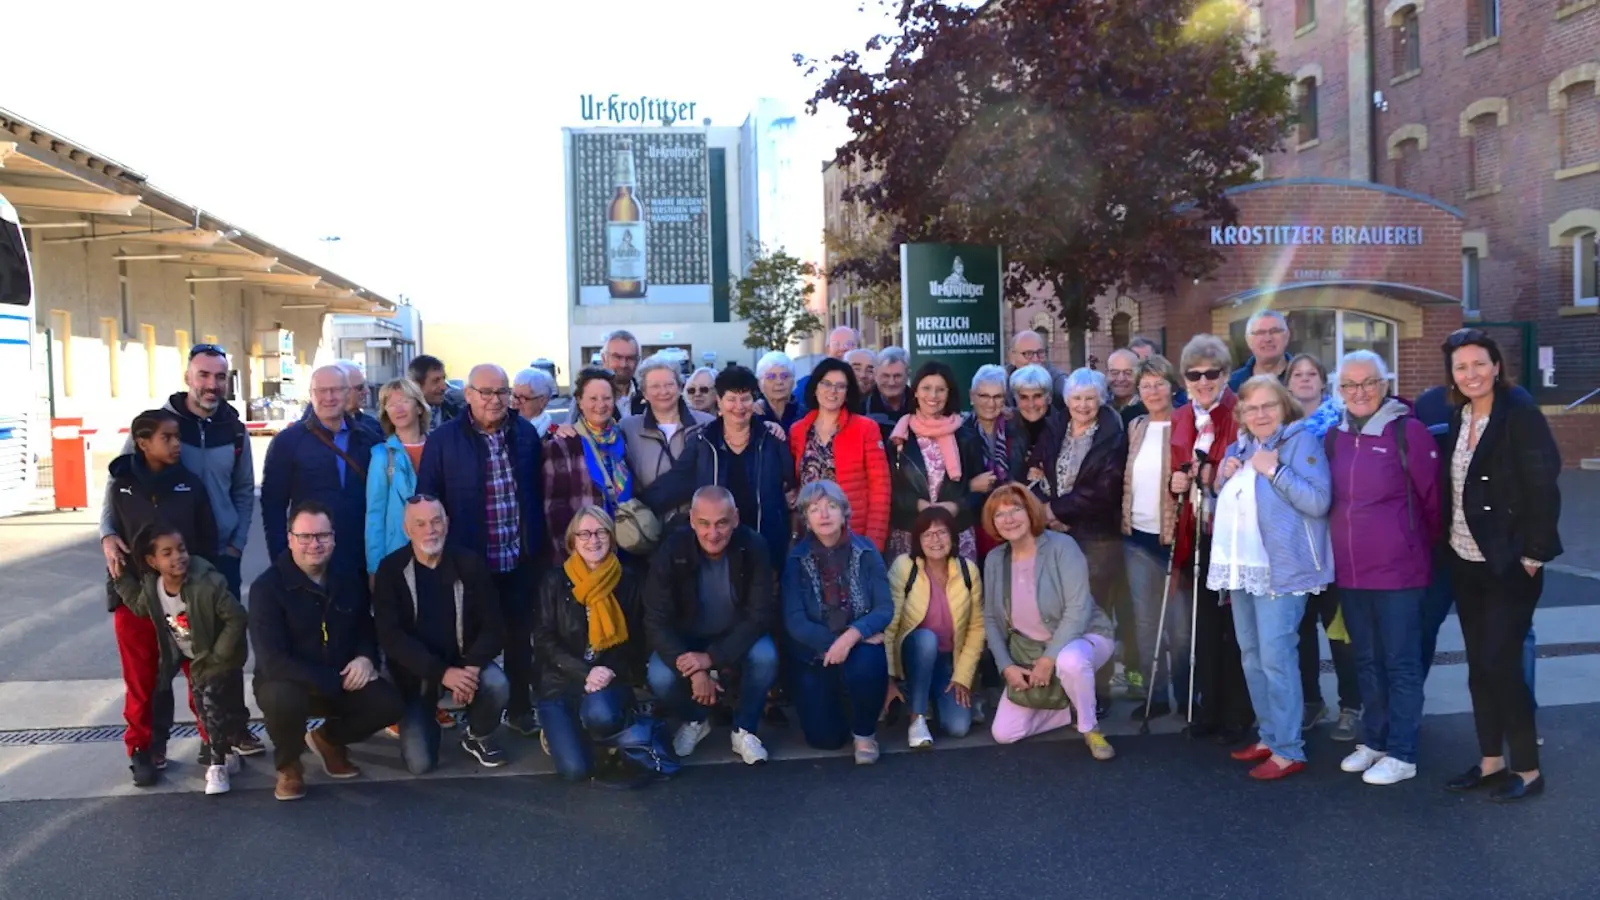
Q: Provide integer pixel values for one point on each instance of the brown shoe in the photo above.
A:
(291, 783)
(335, 759)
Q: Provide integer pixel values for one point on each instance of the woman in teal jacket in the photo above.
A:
(392, 475)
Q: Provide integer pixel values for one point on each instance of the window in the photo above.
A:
(1483, 21)
(1580, 125)
(1469, 280)
(1407, 43)
(1483, 155)
(1328, 334)
(124, 294)
(1404, 157)
(1306, 113)
(1584, 262)
(1305, 14)
(1121, 329)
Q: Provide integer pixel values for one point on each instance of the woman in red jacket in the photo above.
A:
(832, 444)
(1205, 424)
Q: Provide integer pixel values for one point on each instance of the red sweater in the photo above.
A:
(1226, 429)
(862, 467)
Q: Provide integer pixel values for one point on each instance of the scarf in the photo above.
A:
(999, 448)
(595, 589)
(610, 469)
(939, 429)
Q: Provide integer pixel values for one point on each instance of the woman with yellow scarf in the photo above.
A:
(591, 643)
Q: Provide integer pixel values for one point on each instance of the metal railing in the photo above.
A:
(1582, 400)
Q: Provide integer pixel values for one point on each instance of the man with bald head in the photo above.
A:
(1028, 349)
(323, 457)
(356, 402)
(486, 470)
(841, 341)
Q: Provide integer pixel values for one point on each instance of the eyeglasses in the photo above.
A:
(313, 537)
(528, 398)
(1120, 373)
(697, 391)
(1362, 387)
(938, 534)
(833, 386)
(777, 376)
(421, 498)
(501, 394)
(1261, 409)
(1202, 374)
(1033, 354)
(1009, 512)
(207, 349)
(1269, 332)
(991, 398)
(595, 535)
(617, 359)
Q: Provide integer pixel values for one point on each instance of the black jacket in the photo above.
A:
(479, 633)
(671, 595)
(174, 496)
(561, 636)
(306, 633)
(908, 478)
(1510, 496)
(1093, 508)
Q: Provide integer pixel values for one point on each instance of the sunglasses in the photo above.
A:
(421, 498)
(1462, 337)
(697, 391)
(1203, 374)
(207, 349)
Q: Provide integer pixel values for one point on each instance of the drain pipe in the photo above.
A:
(1373, 158)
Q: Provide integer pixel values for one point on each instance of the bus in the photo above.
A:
(18, 472)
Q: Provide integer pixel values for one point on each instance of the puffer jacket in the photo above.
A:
(861, 466)
(174, 496)
(1292, 507)
(561, 636)
(1386, 513)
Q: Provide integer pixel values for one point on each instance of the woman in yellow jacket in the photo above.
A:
(936, 636)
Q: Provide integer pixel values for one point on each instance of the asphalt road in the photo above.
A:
(1168, 818)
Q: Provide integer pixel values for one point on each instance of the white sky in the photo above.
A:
(426, 136)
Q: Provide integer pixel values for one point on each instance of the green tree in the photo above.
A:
(772, 298)
(1089, 140)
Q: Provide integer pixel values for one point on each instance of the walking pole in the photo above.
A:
(1199, 505)
(1161, 623)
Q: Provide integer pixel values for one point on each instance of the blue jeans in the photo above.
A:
(419, 724)
(928, 680)
(1436, 607)
(571, 724)
(1386, 633)
(759, 672)
(821, 693)
(1268, 627)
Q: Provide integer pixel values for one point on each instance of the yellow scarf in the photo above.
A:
(596, 590)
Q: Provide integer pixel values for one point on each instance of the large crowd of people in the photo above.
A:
(862, 546)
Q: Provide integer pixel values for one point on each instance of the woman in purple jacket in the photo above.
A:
(1385, 519)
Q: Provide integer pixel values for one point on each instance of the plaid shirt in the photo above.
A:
(501, 494)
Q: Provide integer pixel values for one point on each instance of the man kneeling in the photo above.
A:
(439, 624)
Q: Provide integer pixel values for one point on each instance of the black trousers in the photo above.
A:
(1224, 696)
(348, 717)
(518, 589)
(1496, 611)
(1323, 607)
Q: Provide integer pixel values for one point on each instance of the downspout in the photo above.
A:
(1371, 99)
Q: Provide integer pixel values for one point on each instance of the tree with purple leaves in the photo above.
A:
(1089, 140)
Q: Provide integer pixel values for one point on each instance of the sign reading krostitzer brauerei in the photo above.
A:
(950, 304)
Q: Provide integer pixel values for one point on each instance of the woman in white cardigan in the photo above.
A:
(936, 636)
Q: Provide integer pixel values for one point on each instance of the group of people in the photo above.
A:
(827, 541)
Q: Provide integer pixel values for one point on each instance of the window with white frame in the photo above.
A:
(1328, 334)
(1584, 270)
(1469, 280)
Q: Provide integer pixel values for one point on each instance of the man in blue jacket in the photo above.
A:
(316, 654)
(487, 468)
(1267, 335)
(322, 457)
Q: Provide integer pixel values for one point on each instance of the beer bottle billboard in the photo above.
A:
(625, 231)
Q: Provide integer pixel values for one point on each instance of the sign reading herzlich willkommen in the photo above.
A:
(950, 298)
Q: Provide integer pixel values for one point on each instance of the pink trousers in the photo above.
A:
(1075, 666)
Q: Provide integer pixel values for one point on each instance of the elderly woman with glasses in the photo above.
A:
(1046, 633)
(832, 443)
(775, 371)
(993, 423)
(1032, 387)
(699, 390)
(1270, 550)
(1149, 515)
(835, 607)
(655, 439)
(531, 391)
(589, 635)
(1202, 430)
(586, 464)
(392, 474)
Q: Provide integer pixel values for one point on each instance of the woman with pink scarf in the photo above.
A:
(933, 456)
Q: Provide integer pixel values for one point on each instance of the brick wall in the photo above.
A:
(1577, 433)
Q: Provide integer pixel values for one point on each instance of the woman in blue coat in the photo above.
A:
(836, 605)
(392, 475)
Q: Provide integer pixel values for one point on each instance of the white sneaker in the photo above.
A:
(1362, 759)
(918, 736)
(234, 764)
(866, 751)
(217, 779)
(689, 736)
(749, 747)
(1390, 771)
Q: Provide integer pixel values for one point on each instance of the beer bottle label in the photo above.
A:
(625, 251)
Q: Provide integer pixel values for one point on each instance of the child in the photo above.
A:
(200, 628)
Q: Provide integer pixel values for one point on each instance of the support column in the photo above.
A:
(1358, 68)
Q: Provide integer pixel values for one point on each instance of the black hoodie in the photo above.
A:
(174, 496)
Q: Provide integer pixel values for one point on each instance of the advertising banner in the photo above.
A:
(950, 306)
(641, 217)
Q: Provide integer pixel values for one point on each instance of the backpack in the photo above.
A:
(966, 576)
(1401, 443)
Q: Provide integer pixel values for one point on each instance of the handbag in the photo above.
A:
(1025, 651)
(638, 529)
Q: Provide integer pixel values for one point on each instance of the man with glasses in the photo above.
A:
(621, 355)
(356, 401)
(1028, 349)
(487, 469)
(1267, 335)
(316, 654)
(322, 457)
(439, 625)
(886, 399)
(215, 446)
(1119, 378)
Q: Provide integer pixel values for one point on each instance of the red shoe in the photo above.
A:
(1270, 771)
(1254, 753)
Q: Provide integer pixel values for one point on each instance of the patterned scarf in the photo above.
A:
(605, 449)
(596, 589)
(999, 450)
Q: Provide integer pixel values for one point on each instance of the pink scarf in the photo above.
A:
(939, 429)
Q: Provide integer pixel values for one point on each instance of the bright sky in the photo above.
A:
(427, 139)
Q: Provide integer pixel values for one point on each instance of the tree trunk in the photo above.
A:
(1078, 347)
